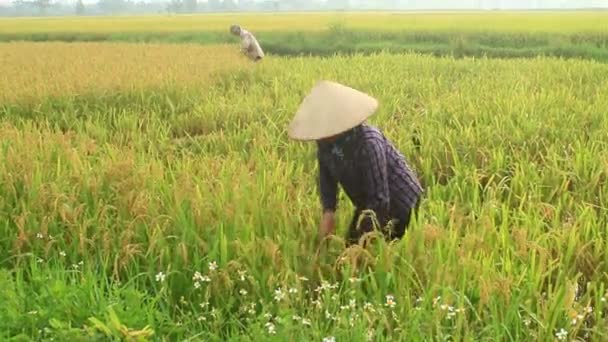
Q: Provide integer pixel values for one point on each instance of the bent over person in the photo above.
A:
(249, 45)
(357, 156)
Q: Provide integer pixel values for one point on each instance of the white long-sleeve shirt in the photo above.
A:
(250, 45)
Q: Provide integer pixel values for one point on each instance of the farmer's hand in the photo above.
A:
(328, 225)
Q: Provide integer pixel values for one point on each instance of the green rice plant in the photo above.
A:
(169, 212)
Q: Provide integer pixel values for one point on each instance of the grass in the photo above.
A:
(579, 34)
(111, 204)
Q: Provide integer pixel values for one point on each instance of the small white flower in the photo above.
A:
(63, 253)
(306, 321)
(444, 307)
(390, 301)
(324, 286)
(204, 305)
(293, 290)
(40, 236)
(335, 297)
(278, 295)
(354, 280)
(160, 277)
(329, 339)
(527, 322)
(197, 285)
(589, 309)
(603, 299)
(352, 303)
(303, 279)
(574, 321)
(242, 275)
(562, 334)
(243, 292)
(205, 279)
(271, 328)
(201, 318)
(212, 266)
(296, 318)
(40, 260)
(251, 310)
(268, 316)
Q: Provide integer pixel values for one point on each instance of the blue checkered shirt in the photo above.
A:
(371, 171)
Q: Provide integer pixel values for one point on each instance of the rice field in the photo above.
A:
(514, 21)
(578, 34)
(150, 192)
(59, 70)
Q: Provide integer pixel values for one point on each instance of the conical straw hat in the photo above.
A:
(330, 109)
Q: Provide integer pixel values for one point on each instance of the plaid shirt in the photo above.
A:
(372, 172)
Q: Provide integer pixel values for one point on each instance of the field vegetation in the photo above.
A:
(34, 72)
(150, 192)
(581, 34)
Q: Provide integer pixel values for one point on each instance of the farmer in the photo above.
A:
(372, 172)
(249, 45)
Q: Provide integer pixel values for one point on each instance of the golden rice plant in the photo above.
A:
(514, 21)
(32, 71)
(189, 214)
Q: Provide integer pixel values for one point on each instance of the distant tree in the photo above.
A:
(79, 7)
(112, 6)
(214, 5)
(174, 6)
(42, 5)
(229, 5)
(190, 5)
(338, 4)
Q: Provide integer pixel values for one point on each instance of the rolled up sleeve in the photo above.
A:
(328, 188)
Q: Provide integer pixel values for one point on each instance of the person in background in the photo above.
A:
(357, 156)
(249, 45)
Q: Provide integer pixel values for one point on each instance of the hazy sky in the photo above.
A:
(450, 3)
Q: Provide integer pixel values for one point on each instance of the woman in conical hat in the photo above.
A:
(372, 172)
